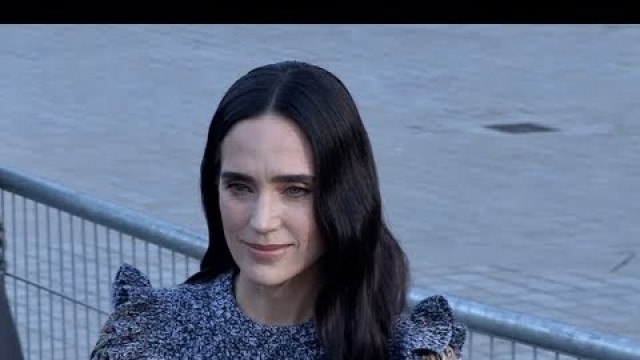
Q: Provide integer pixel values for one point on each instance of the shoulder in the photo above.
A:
(144, 316)
(429, 327)
(131, 287)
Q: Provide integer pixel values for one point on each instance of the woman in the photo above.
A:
(300, 264)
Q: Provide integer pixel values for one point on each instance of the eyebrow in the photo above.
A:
(292, 178)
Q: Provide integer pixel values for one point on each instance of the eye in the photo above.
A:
(297, 191)
(238, 189)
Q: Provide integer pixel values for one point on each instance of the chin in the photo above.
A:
(266, 275)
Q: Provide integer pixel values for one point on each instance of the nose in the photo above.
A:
(266, 215)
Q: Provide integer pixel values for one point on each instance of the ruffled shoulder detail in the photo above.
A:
(129, 330)
(429, 328)
(130, 285)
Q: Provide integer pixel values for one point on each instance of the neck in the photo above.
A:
(289, 303)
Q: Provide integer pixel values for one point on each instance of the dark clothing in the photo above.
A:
(203, 321)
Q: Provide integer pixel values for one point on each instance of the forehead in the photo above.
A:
(268, 141)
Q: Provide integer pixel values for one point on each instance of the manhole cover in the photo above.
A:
(520, 128)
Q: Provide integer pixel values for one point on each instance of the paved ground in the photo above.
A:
(545, 223)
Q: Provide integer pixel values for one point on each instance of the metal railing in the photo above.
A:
(64, 248)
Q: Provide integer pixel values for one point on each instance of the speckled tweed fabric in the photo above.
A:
(203, 321)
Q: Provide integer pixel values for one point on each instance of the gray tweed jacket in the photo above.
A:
(204, 322)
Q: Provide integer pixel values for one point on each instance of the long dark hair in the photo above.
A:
(364, 270)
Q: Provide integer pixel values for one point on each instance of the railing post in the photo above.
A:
(9, 339)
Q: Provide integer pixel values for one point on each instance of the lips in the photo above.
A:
(272, 247)
(268, 252)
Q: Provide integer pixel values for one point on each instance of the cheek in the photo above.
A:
(307, 232)
(233, 214)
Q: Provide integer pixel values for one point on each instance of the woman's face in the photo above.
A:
(266, 200)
